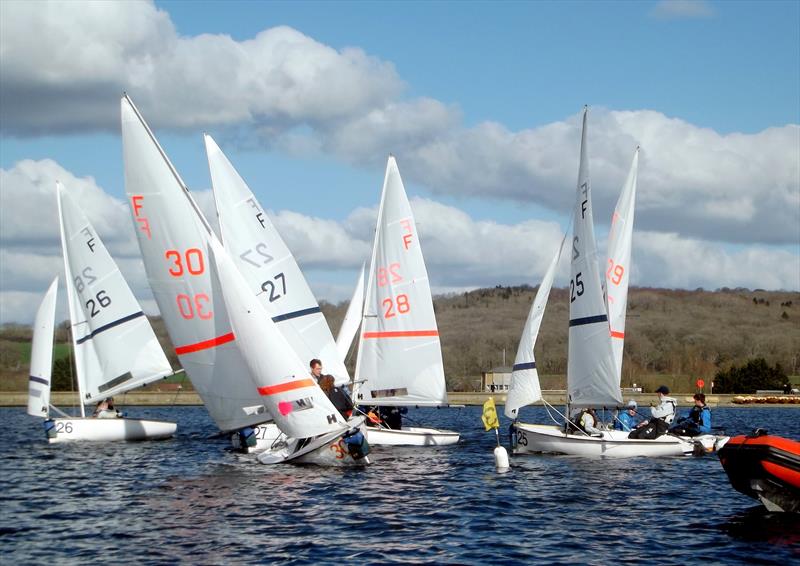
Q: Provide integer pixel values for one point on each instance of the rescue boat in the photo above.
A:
(764, 467)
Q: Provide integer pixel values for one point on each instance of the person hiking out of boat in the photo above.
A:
(697, 422)
(661, 416)
(340, 399)
(627, 419)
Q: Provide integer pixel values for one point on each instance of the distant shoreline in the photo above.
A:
(162, 398)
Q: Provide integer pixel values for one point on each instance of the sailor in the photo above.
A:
(628, 419)
(697, 422)
(589, 422)
(340, 399)
(316, 369)
(661, 416)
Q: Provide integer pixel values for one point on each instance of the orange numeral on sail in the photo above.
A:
(384, 274)
(402, 306)
(194, 262)
(618, 272)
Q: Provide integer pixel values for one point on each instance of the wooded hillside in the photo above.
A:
(668, 333)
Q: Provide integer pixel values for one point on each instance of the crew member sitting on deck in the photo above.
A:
(697, 422)
(105, 409)
(587, 421)
(661, 417)
(628, 419)
(340, 399)
(392, 416)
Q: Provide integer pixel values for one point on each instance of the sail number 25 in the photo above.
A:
(575, 287)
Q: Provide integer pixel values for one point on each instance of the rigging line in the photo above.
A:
(180, 387)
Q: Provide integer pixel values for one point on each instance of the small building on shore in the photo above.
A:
(497, 379)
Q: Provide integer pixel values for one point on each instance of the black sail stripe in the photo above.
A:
(295, 314)
(110, 325)
(526, 365)
(41, 380)
(588, 320)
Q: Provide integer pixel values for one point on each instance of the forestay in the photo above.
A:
(591, 372)
(619, 262)
(400, 357)
(173, 239)
(269, 268)
(300, 408)
(525, 387)
(111, 335)
(352, 318)
(42, 354)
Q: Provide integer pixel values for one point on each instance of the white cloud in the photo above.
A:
(284, 89)
(682, 9)
(460, 252)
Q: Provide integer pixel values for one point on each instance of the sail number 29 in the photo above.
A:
(614, 272)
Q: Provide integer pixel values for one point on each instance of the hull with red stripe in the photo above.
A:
(766, 468)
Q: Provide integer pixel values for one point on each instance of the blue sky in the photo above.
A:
(710, 89)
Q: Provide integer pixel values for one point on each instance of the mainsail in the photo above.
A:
(269, 268)
(173, 239)
(42, 354)
(592, 378)
(525, 388)
(115, 347)
(300, 408)
(619, 262)
(352, 318)
(399, 356)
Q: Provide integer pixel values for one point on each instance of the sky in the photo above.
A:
(480, 102)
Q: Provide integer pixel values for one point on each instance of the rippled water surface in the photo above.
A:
(188, 499)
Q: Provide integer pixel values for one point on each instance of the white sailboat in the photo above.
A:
(399, 354)
(352, 318)
(173, 238)
(315, 432)
(593, 377)
(270, 269)
(115, 347)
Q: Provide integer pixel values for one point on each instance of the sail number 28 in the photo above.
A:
(398, 306)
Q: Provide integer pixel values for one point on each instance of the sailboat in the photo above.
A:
(173, 238)
(593, 376)
(352, 318)
(399, 354)
(114, 345)
(315, 432)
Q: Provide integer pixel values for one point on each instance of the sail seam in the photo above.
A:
(295, 314)
(588, 320)
(288, 386)
(205, 344)
(109, 326)
(401, 334)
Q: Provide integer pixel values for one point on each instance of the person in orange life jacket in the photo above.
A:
(340, 399)
(697, 422)
(661, 416)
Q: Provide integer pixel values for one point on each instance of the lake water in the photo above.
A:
(190, 500)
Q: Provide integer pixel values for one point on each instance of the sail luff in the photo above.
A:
(620, 241)
(591, 371)
(41, 370)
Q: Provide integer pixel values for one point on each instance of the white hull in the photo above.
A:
(533, 438)
(326, 450)
(106, 430)
(411, 436)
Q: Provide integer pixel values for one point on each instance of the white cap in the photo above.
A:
(632, 404)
